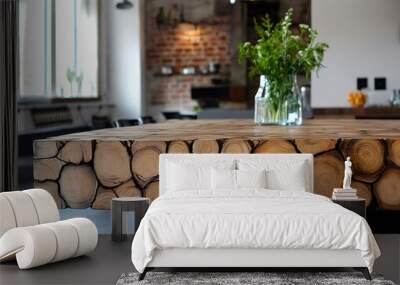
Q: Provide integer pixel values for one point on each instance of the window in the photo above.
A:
(58, 49)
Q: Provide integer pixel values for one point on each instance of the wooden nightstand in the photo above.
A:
(357, 206)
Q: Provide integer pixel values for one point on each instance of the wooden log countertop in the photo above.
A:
(89, 169)
(245, 129)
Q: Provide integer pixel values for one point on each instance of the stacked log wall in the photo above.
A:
(81, 174)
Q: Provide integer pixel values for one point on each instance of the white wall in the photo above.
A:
(123, 34)
(364, 39)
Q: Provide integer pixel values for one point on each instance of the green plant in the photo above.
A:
(280, 55)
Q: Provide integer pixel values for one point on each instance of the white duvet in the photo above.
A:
(250, 219)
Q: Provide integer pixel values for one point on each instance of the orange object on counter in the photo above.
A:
(356, 98)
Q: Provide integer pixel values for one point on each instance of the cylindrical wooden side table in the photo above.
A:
(138, 205)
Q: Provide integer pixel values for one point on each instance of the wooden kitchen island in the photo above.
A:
(89, 169)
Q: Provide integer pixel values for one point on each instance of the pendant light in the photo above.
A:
(125, 4)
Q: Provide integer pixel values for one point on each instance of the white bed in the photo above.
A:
(249, 227)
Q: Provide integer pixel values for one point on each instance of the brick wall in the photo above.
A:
(181, 46)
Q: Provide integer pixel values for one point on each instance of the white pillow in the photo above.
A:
(281, 174)
(223, 179)
(295, 180)
(227, 179)
(251, 178)
(192, 176)
(183, 178)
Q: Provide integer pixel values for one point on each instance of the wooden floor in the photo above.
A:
(103, 266)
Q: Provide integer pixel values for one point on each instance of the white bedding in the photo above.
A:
(252, 218)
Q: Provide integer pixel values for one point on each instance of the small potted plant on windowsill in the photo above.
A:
(278, 56)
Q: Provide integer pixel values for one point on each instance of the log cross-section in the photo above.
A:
(315, 146)
(205, 146)
(78, 185)
(111, 163)
(387, 189)
(328, 173)
(275, 146)
(367, 158)
(76, 152)
(145, 165)
(236, 146)
(103, 198)
(127, 189)
(47, 169)
(394, 151)
(178, 147)
(151, 190)
(45, 149)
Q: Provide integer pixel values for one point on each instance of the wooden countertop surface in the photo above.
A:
(238, 128)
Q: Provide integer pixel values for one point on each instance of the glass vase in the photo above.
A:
(277, 109)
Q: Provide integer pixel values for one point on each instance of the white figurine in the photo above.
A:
(347, 174)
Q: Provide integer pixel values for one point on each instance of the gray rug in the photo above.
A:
(269, 278)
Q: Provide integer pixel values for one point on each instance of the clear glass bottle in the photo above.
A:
(260, 114)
